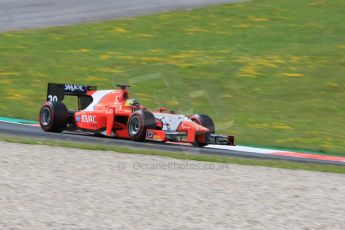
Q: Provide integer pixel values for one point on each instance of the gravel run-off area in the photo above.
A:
(51, 187)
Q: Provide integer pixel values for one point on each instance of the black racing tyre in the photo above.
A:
(206, 121)
(138, 123)
(53, 116)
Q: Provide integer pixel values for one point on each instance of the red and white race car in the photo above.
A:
(112, 113)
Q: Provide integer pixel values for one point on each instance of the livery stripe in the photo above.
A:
(97, 96)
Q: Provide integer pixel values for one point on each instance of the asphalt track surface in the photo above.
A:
(27, 14)
(8, 129)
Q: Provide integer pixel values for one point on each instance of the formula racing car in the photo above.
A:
(112, 113)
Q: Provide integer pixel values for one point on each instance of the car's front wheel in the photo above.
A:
(138, 123)
(205, 121)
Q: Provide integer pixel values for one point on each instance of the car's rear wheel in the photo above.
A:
(53, 116)
(207, 122)
(138, 123)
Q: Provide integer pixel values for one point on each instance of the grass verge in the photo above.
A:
(270, 72)
(183, 156)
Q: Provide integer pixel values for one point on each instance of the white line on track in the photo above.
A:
(244, 149)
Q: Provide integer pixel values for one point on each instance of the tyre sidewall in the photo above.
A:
(139, 134)
(49, 106)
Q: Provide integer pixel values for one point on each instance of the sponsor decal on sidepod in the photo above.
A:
(88, 119)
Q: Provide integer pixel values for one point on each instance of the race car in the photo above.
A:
(112, 113)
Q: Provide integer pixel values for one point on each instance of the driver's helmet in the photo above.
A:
(132, 102)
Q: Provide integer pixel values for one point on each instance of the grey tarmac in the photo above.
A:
(28, 14)
(18, 130)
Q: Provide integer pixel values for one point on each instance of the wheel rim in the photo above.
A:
(46, 116)
(134, 126)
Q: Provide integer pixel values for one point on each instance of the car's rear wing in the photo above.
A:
(57, 92)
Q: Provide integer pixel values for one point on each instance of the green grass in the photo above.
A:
(183, 156)
(270, 72)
